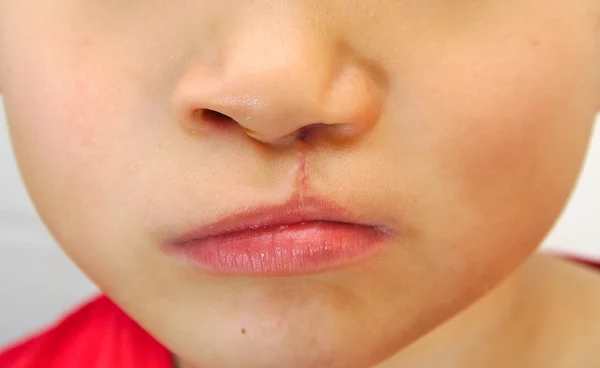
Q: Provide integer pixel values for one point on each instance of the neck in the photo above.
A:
(500, 321)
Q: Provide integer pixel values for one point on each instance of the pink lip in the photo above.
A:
(296, 238)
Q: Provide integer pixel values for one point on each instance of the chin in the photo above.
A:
(320, 349)
(289, 331)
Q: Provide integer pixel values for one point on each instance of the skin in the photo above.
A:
(461, 125)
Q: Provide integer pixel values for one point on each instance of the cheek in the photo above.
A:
(71, 111)
(520, 141)
(503, 133)
(81, 91)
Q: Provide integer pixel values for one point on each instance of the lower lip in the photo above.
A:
(301, 248)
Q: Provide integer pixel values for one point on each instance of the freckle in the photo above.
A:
(535, 41)
(243, 331)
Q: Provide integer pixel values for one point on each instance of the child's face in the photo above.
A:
(462, 126)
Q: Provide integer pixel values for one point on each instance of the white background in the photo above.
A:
(38, 283)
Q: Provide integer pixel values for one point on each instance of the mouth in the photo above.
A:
(299, 237)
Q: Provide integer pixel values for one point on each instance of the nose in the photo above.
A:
(280, 89)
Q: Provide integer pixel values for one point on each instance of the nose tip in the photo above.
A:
(277, 105)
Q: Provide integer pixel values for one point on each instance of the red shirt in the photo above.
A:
(97, 335)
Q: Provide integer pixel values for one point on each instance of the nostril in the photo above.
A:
(306, 133)
(213, 117)
(303, 135)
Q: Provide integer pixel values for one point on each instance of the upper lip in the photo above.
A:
(292, 212)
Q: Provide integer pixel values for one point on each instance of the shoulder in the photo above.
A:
(96, 332)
